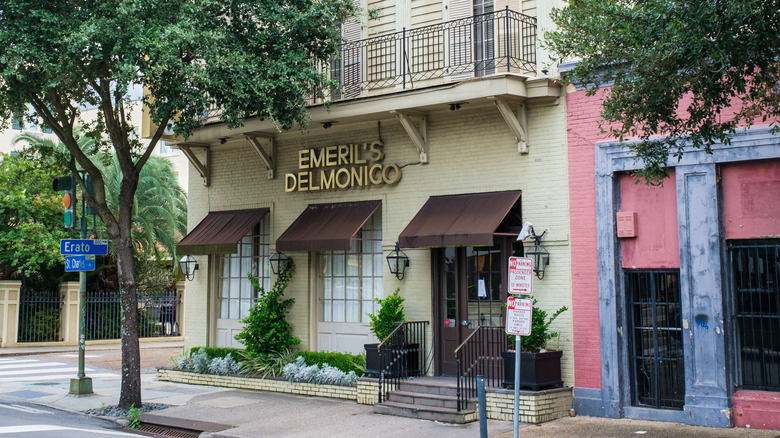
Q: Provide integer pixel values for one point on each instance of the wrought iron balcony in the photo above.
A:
(495, 42)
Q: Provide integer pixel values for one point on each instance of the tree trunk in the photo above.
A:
(130, 395)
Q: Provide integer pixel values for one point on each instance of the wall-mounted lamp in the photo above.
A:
(326, 125)
(188, 266)
(454, 106)
(279, 262)
(539, 255)
(397, 261)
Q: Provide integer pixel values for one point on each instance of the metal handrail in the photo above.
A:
(397, 328)
(468, 338)
(406, 345)
(482, 350)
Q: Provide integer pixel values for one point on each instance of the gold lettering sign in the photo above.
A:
(342, 167)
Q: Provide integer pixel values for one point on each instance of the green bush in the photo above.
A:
(267, 365)
(343, 361)
(266, 329)
(390, 312)
(218, 352)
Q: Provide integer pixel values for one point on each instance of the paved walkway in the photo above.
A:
(265, 414)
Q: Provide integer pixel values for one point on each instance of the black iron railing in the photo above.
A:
(755, 273)
(157, 314)
(402, 355)
(482, 45)
(40, 316)
(495, 42)
(480, 354)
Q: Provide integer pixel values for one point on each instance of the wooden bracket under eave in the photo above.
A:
(266, 152)
(518, 125)
(201, 167)
(419, 136)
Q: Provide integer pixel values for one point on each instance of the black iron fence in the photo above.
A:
(480, 354)
(402, 355)
(156, 315)
(40, 316)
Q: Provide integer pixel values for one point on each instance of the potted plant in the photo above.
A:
(382, 324)
(539, 367)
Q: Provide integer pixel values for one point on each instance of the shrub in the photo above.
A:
(200, 361)
(391, 311)
(266, 328)
(298, 371)
(220, 352)
(267, 364)
(224, 365)
(343, 361)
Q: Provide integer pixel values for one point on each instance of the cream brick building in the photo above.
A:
(484, 126)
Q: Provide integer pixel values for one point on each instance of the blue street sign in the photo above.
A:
(83, 246)
(79, 263)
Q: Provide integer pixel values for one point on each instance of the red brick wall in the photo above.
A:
(583, 133)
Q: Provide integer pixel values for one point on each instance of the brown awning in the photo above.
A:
(326, 227)
(220, 231)
(463, 220)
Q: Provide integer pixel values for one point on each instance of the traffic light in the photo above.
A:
(68, 184)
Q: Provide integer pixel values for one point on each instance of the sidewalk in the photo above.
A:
(245, 413)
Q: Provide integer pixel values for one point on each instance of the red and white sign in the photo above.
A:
(521, 273)
(518, 316)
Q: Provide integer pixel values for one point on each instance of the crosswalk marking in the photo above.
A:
(36, 370)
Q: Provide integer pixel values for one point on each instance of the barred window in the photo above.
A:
(755, 271)
(352, 279)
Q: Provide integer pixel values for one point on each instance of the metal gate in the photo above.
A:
(655, 349)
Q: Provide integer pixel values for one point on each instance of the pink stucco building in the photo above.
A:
(675, 289)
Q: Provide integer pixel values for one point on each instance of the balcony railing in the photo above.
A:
(482, 45)
(486, 44)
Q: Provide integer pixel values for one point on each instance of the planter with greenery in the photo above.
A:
(382, 324)
(539, 367)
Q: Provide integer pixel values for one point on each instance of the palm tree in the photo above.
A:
(159, 208)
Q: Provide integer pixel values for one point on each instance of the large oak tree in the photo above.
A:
(682, 73)
(250, 58)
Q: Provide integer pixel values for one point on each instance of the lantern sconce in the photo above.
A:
(397, 261)
(539, 255)
(279, 262)
(188, 266)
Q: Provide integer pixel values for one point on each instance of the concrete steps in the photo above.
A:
(428, 398)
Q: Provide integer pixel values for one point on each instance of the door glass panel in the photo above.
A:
(483, 276)
(450, 298)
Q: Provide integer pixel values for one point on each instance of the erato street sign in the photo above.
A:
(521, 273)
(518, 316)
(83, 246)
(79, 263)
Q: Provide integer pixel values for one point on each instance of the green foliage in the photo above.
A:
(391, 311)
(41, 326)
(267, 365)
(540, 333)
(299, 371)
(31, 213)
(266, 329)
(343, 361)
(134, 416)
(717, 56)
(248, 58)
(218, 352)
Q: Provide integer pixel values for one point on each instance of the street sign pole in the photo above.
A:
(82, 384)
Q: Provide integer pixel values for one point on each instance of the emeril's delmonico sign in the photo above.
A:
(341, 167)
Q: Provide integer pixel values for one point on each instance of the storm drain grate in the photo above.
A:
(167, 432)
